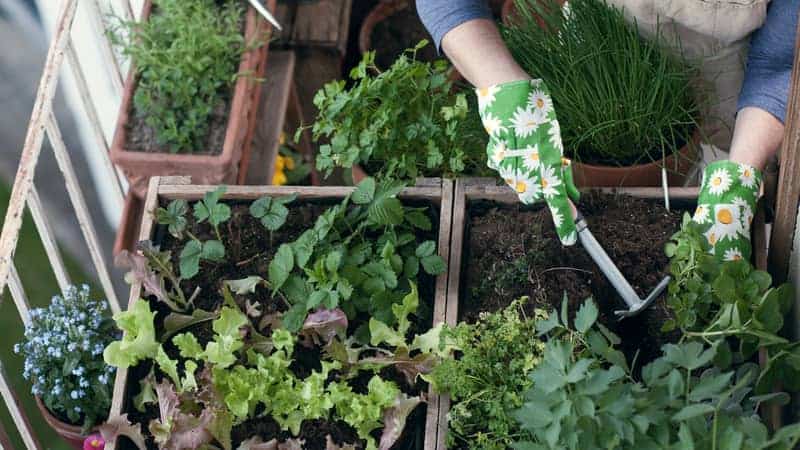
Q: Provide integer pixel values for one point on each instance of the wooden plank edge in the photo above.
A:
(148, 220)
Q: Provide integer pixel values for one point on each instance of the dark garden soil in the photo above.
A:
(398, 32)
(249, 249)
(513, 251)
(141, 137)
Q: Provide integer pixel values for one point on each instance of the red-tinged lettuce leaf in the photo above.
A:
(117, 426)
(411, 368)
(323, 325)
(256, 443)
(394, 419)
(177, 430)
(140, 271)
(330, 445)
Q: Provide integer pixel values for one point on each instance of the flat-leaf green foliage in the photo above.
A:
(715, 301)
(361, 255)
(404, 122)
(186, 56)
(582, 399)
(620, 98)
(487, 380)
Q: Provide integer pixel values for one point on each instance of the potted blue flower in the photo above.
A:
(63, 351)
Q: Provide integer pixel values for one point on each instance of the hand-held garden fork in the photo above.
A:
(610, 270)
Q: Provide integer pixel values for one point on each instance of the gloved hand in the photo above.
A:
(525, 147)
(728, 196)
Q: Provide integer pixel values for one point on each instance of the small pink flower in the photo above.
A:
(94, 442)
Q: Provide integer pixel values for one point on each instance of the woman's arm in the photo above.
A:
(762, 103)
(464, 29)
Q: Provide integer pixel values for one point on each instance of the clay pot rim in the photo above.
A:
(55, 422)
(236, 114)
(687, 149)
(379, 12)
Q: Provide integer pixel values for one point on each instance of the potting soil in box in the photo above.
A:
(249, 249)
(512, 251)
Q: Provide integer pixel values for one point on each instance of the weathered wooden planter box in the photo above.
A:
(436, 192)
(139, 166)
(471, 190)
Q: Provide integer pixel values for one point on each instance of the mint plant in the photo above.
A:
(186, 56)
(582, 399)
(403, 122)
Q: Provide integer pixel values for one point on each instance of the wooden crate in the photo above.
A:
(321, 24)
(470, 189)
(437, 191)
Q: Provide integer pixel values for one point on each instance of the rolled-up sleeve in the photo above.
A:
(441, 16)
(769, 64)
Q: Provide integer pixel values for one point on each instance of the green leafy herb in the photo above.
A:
(186, 56)
(271, 212)
(405, 120)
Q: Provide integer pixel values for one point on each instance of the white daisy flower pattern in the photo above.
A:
(498, 155)
(747, 176)
(720, 182)
(727, 222)
(555, 136)
(525, 122)
(550, 181)
(528, 189)
(509, 175)
(492, 125)
(558, 218)
(701, 214)
(733, 254)
(711, 236)
(540, 102)
(745, 210)
(570, 239)
(486, 96)
(530, 159)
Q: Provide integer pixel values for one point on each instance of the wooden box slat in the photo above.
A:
(437, 191)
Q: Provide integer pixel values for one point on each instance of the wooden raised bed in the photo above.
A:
(436, 191)
(139, 166)
(468, 190)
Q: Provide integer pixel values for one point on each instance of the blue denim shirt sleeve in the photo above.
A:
(769, 64)
(441, 16)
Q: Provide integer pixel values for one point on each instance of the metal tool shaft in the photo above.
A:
(606, 265)
(267, 15)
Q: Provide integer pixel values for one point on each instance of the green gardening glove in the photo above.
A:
(728, 196)
(525, 147)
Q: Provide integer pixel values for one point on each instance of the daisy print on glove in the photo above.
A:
(732, 254)
(486, 96)
(550, 181)
(525, 122)
(720, 182)
(726, 206)
(525, 148)
(528, 189)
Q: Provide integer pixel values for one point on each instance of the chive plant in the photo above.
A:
(621, 99)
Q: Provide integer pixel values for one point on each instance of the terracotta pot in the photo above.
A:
(382, 11)
(70, 433)
(128, 231)
(207, 169)
(678, 165)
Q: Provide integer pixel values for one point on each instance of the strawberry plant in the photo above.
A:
(360, 255)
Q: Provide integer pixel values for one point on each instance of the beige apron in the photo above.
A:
(714, 35)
